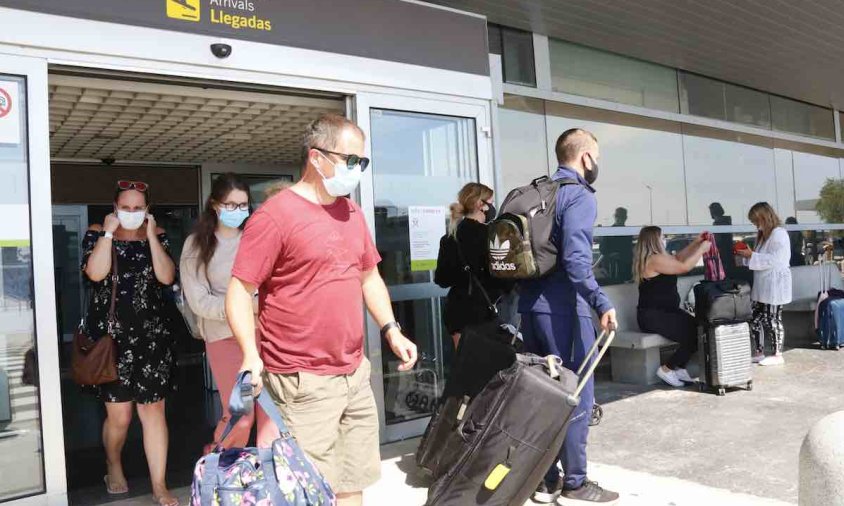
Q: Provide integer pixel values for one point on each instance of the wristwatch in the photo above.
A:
(108, 235)
(388, 327)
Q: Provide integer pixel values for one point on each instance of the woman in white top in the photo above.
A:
(205, 270)
(769, 262)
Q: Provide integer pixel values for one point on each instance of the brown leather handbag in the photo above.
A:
(94, 362)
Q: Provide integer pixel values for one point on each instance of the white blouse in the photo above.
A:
(771, 269)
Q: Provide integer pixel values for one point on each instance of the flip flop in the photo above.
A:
(163, 501)
(114, 491)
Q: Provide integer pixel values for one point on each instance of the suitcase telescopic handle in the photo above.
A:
(601, 345)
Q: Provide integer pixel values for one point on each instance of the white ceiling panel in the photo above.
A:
(128, 120)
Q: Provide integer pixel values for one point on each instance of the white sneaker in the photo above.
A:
(773, 360)
(683, 375)
(669, 377)
(758, 358)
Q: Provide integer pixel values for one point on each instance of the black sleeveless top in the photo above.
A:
(659, 292)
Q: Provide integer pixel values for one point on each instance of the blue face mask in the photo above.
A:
(233, 219)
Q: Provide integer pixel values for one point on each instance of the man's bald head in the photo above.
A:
(572, 144)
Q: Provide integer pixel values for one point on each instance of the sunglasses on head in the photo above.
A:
(132, 185)
(351, 160)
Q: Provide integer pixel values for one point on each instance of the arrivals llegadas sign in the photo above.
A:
(389, 30)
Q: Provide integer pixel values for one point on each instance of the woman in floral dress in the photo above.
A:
(145, 355)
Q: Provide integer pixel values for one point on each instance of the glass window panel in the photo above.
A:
(517, 57)
(494, 34)
(748, 106)
(701, 96)
(802, 118)
(735, 176)
(641, 172)
(588, 72)
(523, 144)
(414, 394)
(412, 151)
(21, 456)
(811, 174)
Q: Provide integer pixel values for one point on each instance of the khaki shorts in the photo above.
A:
(335, 421)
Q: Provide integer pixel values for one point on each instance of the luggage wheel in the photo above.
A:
(722, 391)
(749, 386)
(597, 415)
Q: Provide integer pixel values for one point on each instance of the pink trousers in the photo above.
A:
(225, 359)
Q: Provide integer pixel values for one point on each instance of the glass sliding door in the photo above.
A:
(23, 152)
(422, 154)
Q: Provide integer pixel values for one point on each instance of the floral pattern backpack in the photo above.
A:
(278, 476)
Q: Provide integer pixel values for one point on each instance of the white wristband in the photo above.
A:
(108, 235)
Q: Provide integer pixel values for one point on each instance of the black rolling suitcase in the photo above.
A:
(484, 350)
(511, 432)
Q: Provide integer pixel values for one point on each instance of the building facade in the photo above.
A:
(175, 92)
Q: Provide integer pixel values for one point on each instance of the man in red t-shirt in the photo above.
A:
(309, 254)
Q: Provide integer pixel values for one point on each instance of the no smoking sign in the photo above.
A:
(5, 103)
(11, 121)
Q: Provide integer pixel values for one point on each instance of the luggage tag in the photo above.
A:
(552, 366)
(498, 473)
(462, 411)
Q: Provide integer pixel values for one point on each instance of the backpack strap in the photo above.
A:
(473, 280)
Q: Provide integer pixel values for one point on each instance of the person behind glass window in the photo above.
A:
(145, 354)
(659, 310)
(770, 263)
(723, 240)
(618, 250)
(205, 271)
(795, 237)
(466, 244)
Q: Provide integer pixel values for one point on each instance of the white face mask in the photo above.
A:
(345, 180)
(131, 220)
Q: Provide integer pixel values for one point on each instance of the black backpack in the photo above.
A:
(520, 244)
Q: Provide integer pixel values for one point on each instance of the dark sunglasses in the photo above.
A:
(132, 185)
(351, 160)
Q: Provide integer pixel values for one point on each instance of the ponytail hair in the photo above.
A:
(467, 201)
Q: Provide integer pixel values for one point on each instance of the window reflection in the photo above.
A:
(807, 248)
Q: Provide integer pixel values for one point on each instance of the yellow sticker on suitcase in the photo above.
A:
(496, 476)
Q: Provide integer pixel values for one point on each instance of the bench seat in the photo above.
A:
(639, 340)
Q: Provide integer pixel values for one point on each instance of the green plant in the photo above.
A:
(830, 206)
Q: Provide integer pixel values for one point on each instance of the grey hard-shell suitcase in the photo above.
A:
(512, 431)
(725, 357)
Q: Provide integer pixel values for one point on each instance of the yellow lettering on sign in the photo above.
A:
(253, 22)
(185, 10)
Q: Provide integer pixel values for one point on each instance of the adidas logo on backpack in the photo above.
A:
(498, 250)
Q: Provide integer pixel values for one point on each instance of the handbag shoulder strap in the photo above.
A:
(114, 280)
(473, 279)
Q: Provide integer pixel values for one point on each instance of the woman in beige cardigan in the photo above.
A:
(205, 270)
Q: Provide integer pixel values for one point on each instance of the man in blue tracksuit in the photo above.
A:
(557, 311)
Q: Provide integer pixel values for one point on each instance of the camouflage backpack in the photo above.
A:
(520, 244)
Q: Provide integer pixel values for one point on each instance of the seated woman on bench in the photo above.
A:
(659, 303)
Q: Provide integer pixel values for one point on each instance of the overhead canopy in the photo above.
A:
(794, 49)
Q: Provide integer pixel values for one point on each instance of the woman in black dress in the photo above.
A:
(466, 244)
(145, 356)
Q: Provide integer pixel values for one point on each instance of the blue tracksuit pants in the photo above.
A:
(569, 337)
